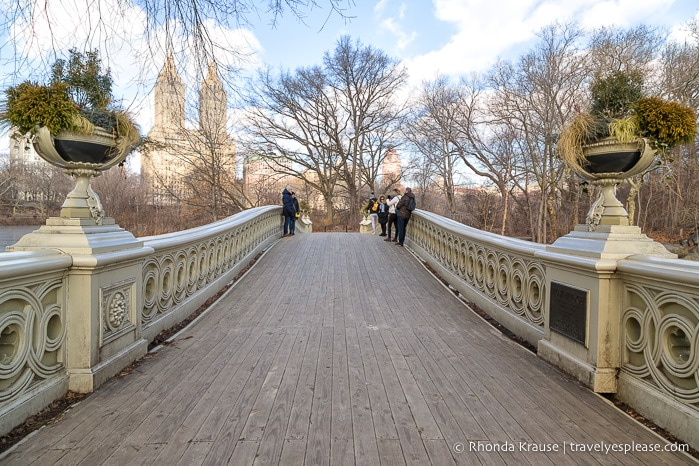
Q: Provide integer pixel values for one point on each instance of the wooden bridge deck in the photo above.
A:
(340, 349)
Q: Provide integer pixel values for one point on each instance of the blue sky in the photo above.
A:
(452, 37)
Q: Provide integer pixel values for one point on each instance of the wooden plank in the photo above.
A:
(293, 452)
(300, 415)
(439, 452)
(259, 414)
(182, 432)
(341, 415)
(135, 410)
(244, 452)
(404, 406)
(342, 452)
(365, 448)
(400, 358)
(384, 427)
(318, 446)
(226, 435)
(390, 452)
(277, 422)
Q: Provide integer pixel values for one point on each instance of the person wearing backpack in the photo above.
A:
(404, 210)
(373, 209)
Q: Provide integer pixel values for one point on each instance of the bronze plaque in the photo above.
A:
(568, 311)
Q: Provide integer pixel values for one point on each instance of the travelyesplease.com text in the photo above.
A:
(568, 447)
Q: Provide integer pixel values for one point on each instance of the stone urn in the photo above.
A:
(81, 156)
(607, 163)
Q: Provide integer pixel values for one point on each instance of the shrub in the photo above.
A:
(664, 123)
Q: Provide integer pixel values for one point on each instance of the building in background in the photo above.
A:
(175, 156)
(265, 176)
(391, 169)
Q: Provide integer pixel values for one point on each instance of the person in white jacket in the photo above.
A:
(392, 201)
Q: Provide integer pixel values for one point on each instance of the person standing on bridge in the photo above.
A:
(373, 209)
(382, 212)
(288, 210)
(404, 209)
(392, 217)
(297, 213)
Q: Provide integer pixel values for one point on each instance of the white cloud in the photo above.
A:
(488, 29)
(394, 25)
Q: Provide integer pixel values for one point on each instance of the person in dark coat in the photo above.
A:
(403, 214)
(297, 211)
(382, 212)
(287, 210)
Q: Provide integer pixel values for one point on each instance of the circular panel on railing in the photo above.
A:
(17, 315)
(675, 363)
(502, 280)
(471, 263)
(434, 242)
(448, 250)
(440, 247)
(678, 354)
(180, 290)
(211, 260)
(479, 272)
(150, 290)
(202, 265)
(490, 274)
(635, 342)
(46, 359)
(463, 259)
(52, 329)
(167, 280)
(534, 304)
(220, 256)
(640, 298)
(192, 270)
(517, 286)
(454, 254)
(236, 246)
(227, 251)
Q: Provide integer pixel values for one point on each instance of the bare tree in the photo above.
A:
(366, 81)
(331, 121)
(533, 98)
(6, 179)
(432, 132)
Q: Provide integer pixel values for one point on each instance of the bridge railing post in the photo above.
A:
(583, 333)
(102, 297)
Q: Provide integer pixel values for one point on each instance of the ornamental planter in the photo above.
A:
(81, 156)
(98, 147)
(610, 159)
(609, 162)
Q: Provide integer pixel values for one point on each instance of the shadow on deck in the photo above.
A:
(341, 349)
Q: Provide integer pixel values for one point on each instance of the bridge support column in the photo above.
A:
(103, 297)
(583, 328)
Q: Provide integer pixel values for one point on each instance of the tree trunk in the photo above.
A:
(329, 219)
(505, 207)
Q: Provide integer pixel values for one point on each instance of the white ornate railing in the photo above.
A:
(54, 337)
(501, 275)
(653, 320)
(189, 266)
(32, 326)
(660, 335)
